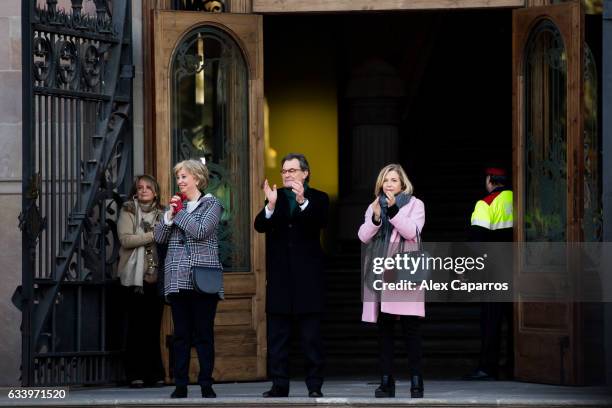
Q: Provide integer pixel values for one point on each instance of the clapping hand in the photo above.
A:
(298, 189)
(271, 194)
(376, 209)
(390, 198)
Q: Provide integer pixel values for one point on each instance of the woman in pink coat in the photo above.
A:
(393, 220)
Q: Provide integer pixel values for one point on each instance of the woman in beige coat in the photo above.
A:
(138, 272)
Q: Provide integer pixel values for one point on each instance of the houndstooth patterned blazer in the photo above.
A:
(196, 229)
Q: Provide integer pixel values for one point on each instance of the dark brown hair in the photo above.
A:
(151, 180)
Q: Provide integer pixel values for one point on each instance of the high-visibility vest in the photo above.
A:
(494, 212)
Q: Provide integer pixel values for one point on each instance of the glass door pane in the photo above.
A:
(209, 94)
(545, 135)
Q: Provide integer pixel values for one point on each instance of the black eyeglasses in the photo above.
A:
(290, 171)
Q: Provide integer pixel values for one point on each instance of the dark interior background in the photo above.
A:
(455, 119)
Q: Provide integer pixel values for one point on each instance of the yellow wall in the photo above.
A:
(305, 121)
(300, 89)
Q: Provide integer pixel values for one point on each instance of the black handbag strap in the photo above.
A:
(419, 241)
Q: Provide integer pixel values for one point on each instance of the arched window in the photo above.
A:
(545, 75)
(209, 122)
(592, 223)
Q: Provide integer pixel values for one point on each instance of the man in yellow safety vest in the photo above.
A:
(492, 217)
(492, 221)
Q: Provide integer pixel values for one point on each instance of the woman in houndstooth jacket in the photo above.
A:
(191, 221)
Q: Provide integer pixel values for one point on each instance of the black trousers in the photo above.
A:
(411, 330)
(193, 315)
(143, 353)
(492, 315)
(279, 335)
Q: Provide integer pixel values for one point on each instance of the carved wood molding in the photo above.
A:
(240, 6)
(536, 3)
(304, 6)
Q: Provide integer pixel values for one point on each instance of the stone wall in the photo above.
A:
(10, 187)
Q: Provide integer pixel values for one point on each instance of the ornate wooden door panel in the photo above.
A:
(548, 167)
(209, 105)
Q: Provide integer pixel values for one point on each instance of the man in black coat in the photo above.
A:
(292, 220)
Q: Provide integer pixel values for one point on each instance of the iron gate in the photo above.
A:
(77, 102)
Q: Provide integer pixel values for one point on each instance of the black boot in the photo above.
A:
(416, 386)
(179, 392)
(207, 391)
(276, 392)
(386, 389)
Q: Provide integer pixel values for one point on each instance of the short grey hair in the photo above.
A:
(301, 159)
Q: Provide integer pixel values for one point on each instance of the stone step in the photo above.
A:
(345, 393)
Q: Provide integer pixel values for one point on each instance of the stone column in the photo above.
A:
(10, 187)
(138, 87)
(374, 98)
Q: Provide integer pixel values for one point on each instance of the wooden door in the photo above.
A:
(548, 162)
(208, 87)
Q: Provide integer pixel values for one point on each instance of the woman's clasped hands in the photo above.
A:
(176, 202)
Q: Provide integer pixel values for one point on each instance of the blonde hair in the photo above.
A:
(406, 184)
(196, 168)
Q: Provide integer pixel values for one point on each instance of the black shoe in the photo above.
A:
(386, 389)
(207, 391)
(315, 393)
(416, 386)
(276, 392)
(479, 375)
(179, 392)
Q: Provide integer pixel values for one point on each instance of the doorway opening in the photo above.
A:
(354, 92)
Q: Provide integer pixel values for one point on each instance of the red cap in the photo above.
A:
(495, 171)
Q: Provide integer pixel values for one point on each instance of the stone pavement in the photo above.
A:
(338, 393)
